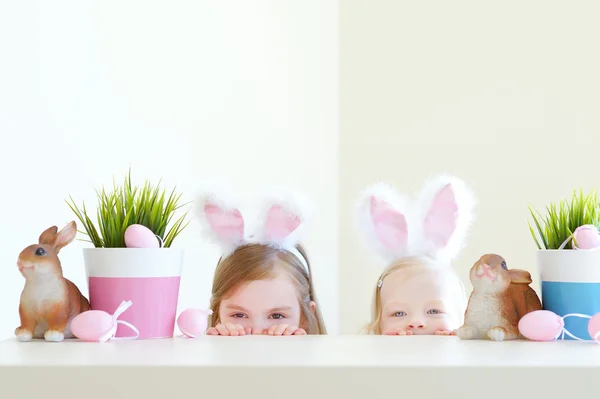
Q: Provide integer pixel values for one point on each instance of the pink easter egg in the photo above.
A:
(91, 325)
(587, 237)
(541, 325)
(139, 236)
(594, 327)
(193, 322)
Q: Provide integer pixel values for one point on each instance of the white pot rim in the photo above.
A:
(133, 262)
(170, 249)
(569, 265)
(567, 250)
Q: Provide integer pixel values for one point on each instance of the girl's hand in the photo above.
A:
(284, 329)
(398, 331)
(445, 332)
(229, 329)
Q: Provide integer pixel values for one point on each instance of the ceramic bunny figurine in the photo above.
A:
(49, 301)
(500, 298)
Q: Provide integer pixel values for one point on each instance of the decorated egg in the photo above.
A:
(139, 236)
(89, 326)
(193, 322)
(541, 325)
(594, 327)
(586, 237)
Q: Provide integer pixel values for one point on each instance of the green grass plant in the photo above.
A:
(562, 218)
(127, 204)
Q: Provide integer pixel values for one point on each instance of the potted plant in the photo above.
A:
(570, 276)
(132, 258)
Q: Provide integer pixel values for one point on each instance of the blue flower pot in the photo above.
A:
(570, 283)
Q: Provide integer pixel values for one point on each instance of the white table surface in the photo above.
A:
(354, 366)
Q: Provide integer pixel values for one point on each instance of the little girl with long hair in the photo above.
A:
(263, 283)
(418, 293)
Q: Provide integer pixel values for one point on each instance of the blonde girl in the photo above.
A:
(418, 293)
(263, 282)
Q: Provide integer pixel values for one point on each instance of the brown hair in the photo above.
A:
(411, 265)
(257, 262)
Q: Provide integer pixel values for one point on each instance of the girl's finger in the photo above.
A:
(222, 329)
(290, 330)
(240, 329)
(212, 331)
(280, 329)
(233, 331)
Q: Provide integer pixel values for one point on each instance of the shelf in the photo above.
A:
(313, 351)
(442, 364)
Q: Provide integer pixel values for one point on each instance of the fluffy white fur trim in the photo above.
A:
(415, 212)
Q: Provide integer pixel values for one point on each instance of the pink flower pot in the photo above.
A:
(148, 277)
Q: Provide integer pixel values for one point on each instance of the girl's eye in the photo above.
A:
(434, 311)
(277, 316)
(400, 314)
(238, 315)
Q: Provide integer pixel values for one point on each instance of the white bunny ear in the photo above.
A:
(283, 219)
(384, 218)
(446, 207)
(221, 221)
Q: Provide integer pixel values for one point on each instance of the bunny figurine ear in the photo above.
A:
(384, 219)
(283, 220)
(446, 213)
(221, 221)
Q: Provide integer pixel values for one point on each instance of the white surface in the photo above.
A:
(502, 94)
(133, 262)
(239, 92)
(328, 367)
(314, 351)
(569, 266)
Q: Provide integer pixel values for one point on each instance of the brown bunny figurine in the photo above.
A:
(499, 299)
(49, 301)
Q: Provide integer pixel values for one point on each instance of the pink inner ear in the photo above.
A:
(228, 225)
(440, 222)
(390, 225)
(280, 223)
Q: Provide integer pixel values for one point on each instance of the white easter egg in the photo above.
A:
(138, 236)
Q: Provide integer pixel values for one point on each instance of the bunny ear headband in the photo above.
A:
(436, 225)
(280, 224)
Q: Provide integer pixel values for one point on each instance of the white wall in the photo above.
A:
(240, 92)
(502, 94)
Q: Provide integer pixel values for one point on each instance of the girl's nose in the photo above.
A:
(417, 325)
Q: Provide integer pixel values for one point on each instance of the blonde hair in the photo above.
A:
(411, 266)
(257, 262)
